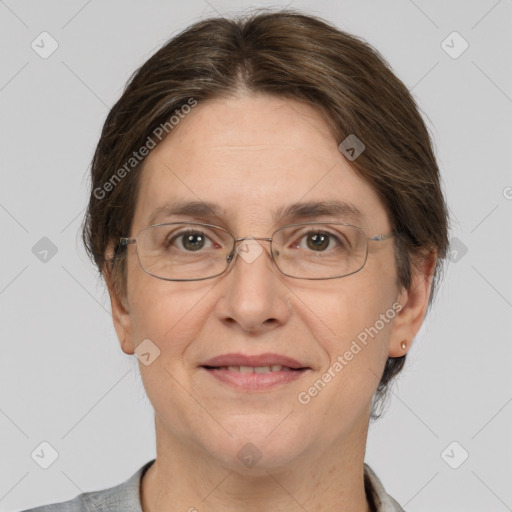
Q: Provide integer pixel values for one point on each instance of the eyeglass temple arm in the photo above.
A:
(123, 241)
(378, 238)
(126, 241)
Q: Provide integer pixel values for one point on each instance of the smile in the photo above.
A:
(255, 369)
(255, 378)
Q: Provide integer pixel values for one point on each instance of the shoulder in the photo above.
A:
(75, 505)
(124, 497)
(381, 500)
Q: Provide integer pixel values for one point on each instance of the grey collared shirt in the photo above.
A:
(125, 497)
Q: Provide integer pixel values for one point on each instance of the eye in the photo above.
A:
(319, 241)
(189, 240)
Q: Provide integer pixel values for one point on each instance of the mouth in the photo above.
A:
(255, 369)
(254, 373)
(254, 378)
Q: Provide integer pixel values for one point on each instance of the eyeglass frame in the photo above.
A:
(125, 241)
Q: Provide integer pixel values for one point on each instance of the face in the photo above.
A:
(252, 156)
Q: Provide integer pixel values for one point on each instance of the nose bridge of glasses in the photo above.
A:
(241, 239)
(247, 258)
(250, 238)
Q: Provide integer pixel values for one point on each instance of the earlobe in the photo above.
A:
(121, 318)
(122, 324)
(402, 351)
(414, 304)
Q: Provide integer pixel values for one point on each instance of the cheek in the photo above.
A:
(171, 317)
(348, 306)
(353, 327)
(170, 314)
(356, 352)
(355, 345)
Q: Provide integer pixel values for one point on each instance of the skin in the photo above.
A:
(252, 154)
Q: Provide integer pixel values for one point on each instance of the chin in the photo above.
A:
(259, 443)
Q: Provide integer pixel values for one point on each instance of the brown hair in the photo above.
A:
(291, 55)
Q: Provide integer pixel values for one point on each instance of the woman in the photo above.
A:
(267, 214)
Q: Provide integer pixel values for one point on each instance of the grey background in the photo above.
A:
(63, 377)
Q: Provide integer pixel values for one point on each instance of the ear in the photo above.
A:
(414, 302)
(121, 316)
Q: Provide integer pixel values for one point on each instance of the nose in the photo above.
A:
(254, 298)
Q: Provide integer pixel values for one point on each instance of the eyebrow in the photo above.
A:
(295, 211)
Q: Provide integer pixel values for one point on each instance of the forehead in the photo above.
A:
(252, 156)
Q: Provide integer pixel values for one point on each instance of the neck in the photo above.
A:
(187, 479)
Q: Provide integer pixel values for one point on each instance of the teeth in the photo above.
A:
(261, 369)
(253, 369)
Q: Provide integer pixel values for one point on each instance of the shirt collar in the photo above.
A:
(126, 496)
(377, 495)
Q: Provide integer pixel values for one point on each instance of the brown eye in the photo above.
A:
(193, 241)
(318, 241)
(189, 240)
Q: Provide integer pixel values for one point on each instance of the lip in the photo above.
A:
(255, 381)
(217, 367)
(267, 359)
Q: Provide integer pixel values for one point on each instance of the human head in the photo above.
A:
(287, 55)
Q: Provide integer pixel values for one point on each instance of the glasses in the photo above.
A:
(194, 251)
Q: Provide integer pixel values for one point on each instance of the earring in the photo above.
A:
(404, 345)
